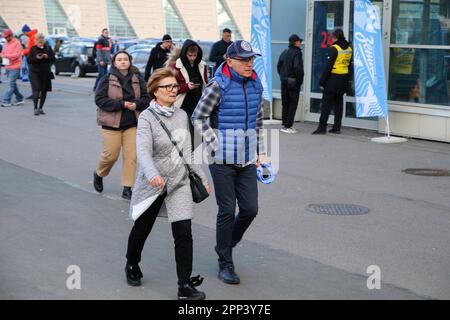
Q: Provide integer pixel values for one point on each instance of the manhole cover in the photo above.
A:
(427, 172)
(337, 209)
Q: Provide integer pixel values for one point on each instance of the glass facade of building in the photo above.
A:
(416, 44)
(57, 21)
(175, 25)
(118, 23)
(225, 20)
(419, 69)
(3, 24)
(288, 16)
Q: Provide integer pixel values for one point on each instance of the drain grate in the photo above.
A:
(427, 172)
(338, 209)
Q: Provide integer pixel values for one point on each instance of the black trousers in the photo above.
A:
(289, 102)
(39, 96)
(233, 183)
(182, 234)
(330, 100)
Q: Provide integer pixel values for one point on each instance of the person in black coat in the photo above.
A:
(40, 59)
(158, 56)
(219, 49)
(290, 69)
(334, 82)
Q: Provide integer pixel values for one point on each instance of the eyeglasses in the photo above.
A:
(170, 87)
(245, 60)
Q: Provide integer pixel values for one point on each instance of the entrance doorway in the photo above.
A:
(323, 17)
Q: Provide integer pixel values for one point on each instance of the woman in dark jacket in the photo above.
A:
(40, 60)
(120, 96)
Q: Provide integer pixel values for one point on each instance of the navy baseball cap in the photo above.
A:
(241, 49)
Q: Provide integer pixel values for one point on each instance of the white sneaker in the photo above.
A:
(18, 103)
(4, 104)
(285, 130)
(292, 130)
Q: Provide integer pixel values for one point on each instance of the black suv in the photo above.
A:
(76, 58)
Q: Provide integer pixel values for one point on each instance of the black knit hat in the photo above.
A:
(293, 38)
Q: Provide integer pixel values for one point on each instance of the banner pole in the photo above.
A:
(388, 128)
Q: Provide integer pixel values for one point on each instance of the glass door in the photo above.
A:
(324, 17)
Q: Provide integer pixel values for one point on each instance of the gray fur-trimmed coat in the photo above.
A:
(156, 155)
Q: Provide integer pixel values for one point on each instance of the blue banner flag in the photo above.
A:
(261, 44)
(370, 81)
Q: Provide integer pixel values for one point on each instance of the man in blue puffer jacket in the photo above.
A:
(229, 116)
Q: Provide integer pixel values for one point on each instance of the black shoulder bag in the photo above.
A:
(199, 192)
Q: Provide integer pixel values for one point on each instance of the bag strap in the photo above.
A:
(174, 142)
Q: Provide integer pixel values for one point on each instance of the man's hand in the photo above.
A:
(208, 188)
(157, 181)
(261, 159)
(192, 85)
(322, 88)
(130, 105)
(102, 63)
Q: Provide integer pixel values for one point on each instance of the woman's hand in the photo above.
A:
(157, 181)
(208, 188)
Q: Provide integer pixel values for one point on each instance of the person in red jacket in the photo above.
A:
(12, 59)
(31, 34)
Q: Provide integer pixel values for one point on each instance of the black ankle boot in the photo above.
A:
(134, 274)
(126, 193)
(98, 182)
(41, 111)
(187, 291)
(36, 112)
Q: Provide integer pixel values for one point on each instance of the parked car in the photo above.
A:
(140, 58)
(76, 58)
(140, 46)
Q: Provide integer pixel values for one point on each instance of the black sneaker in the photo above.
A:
(188, 292)
(126, 193)
(228, 275)
(320, 131)
(133, 274)
(98, 182)
(336, 131)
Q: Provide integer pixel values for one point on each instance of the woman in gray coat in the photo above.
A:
(162, 177)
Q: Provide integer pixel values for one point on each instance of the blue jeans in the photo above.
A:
(233, 183)
(12, 75)
(102, 71)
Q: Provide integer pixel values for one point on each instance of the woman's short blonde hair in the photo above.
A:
(155, 80)
(39, 36)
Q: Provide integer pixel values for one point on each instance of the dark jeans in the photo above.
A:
(330, 99)
(289, 101)
(233, 183)
(182, 234)
(102, 71)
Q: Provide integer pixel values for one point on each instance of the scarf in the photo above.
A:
(164, 111)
